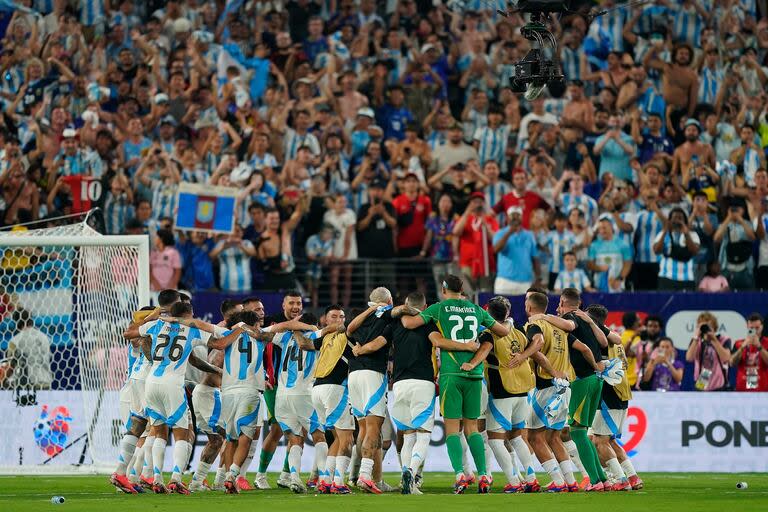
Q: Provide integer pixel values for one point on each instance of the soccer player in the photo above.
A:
(293, 403)
(543, 427)
(461, 374)
(206, 405)
(584, 345)
(132, 412)
(368, 382)
(330, 399)
(610, 418)
(510, 379)
(170, 348)
(293, 307)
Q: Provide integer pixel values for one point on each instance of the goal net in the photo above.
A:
(66, 295)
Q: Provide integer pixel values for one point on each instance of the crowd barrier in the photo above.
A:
(687, 432)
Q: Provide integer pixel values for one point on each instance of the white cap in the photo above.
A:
(429, 46)
(69, 133)
(182, 25)
(366, 112)
(161, 98)
(241, 173)
(514, 209)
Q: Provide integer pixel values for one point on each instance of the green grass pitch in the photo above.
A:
(679, 492)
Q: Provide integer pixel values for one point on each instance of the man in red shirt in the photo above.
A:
(521, 197)
(412, 209)
(750, 357)
(474, 231)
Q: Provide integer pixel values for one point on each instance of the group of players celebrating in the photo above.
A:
(514, 394)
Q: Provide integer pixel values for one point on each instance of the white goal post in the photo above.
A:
(66, 296)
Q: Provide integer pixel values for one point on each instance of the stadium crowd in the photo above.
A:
(362, 129)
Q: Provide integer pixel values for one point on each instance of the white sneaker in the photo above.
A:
(415, 490)
(261, 482)
(284, 480)
(297, 485)
(385, 487)
(218, 486)
(196, 486)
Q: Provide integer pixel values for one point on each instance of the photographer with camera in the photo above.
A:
(677, 245)
(710, 353)
(750, 357)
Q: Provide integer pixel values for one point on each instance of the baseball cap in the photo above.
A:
(379, 183)
(429, 46)
(161, 98)
(455, 125)
(366, 112)
(169, 119)
(181, 25)
(411, 175)
(514, 209)
(477, 195)
(693, 122)
(69, 133)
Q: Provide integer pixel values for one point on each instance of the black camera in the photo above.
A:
(704, 330)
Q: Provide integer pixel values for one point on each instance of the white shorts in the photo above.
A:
(206, 402)
(609, 422)
(414, 405)
(293, 412)
(166, 405)
(483, 402)
(241, 411)
(368, 393)
(506, 414)
(331, 404)
(387, 428)
(132, 402)
(539, 400)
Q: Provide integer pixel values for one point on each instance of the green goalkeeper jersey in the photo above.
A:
(458, 320)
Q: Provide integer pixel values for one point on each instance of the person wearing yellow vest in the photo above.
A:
(544, 427)
(610, 418)
(629, 338)
(510, 380)
(330, 399)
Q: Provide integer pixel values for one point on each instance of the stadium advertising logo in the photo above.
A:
(51, 430)
(637, 425)
(681, 326)
(720, 434)
(613, 321)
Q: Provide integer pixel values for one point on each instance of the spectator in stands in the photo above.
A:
(750, 357)
(736, 236)
(518, 263)
(343, 220)
(570, 276)
(615, 149)
(29, 351)
(761, 232)
(164, 262)
(454, 150)
(610, 258)
(705, 223)
(710, 353)
(412, 209)
(376, 224)
(319, 253)
(198, 267)
(474, 230)
(521, 197)
(664, 371)
(677, 245)
(439, 243)
(713, 281)
(233, 254)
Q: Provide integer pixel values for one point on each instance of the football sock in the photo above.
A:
(553, 469)
(487, 450)
(138, 464)
(565, 467)
(148, 469)
(221, 474)
(127, 447)
(466, 468)
(202, 471)
(504, 459)
(455, 451)
(366, 468)
(264, 459)
(247, 462)
(234, 471)
(286, 464)
(574, 453)
(321, 456)
(330, 469)
(522, 452)
(477, 447)
(586, 449)
(615, 468)
(294, 461)
(409, 440)
(181, 450)
(419, 453)
(158, 458)
(628, 468)
(342, 463)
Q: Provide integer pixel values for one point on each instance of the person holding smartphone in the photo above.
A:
(750, 357)
(664, 371)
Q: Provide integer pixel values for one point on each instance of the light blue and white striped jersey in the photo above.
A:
(687, 25)
(84, 162)
(475, 120)
(360, 196)
(92, 12)
(493, 144)
(234, 268)
(243, 365)
(134, 150)
(576, 278)
(558, 244)
(647, 228)
(196, 175)
(297, 367)
(259, 162)
(12, 79)
(138, 366)
(494, 192)
(709, 83)
(645, 23)
(751, 165)
(172, 343)
(292, 141)
(627, 217)
(670, 268)
(43, 6)
(117, 212)
(505, 72)
(583, 202)
(163, 199)
(613, 23)
(436, 138)
(571, 63)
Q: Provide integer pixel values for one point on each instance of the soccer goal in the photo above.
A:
(66, 295)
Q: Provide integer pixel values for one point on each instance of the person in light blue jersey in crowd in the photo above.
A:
(556, 243)
(648, 223)
(491, 141)
(677, 246)
(610, 259)
(234, 254)
(517, 256)
(615, 149)
(118, 205)
(571, 276)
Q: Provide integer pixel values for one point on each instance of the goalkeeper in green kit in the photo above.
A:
(461, 374)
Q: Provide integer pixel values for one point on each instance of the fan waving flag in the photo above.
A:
(206, 208)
